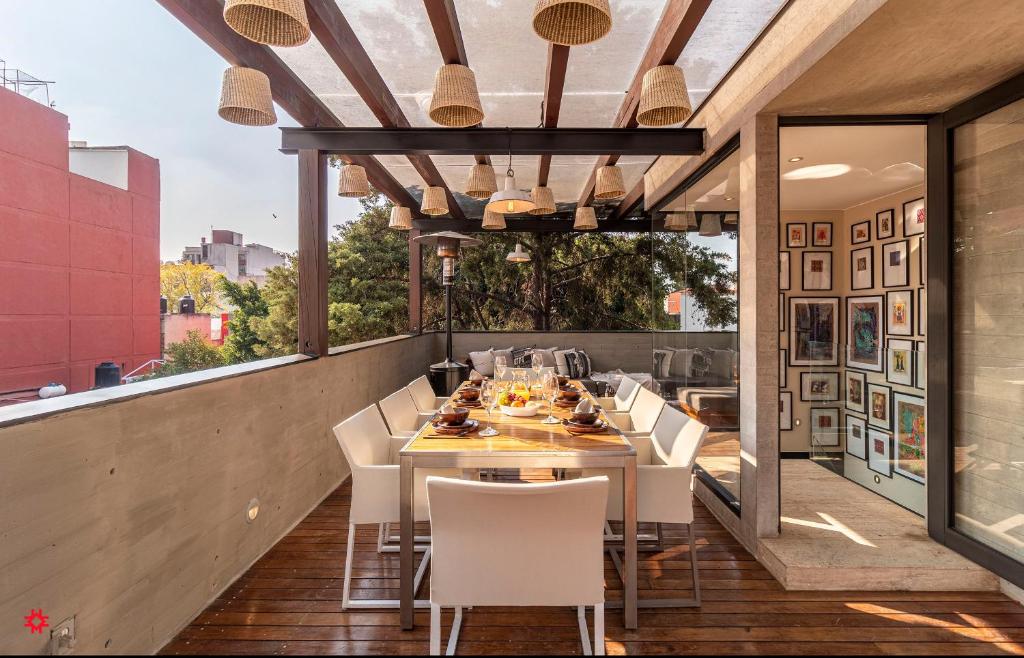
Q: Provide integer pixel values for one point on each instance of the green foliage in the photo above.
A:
(193, 353)
(185, 278)
(243, 342)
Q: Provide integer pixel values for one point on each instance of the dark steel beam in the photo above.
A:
(470, 141)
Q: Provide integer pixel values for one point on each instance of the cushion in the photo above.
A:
(723, 364)
(680, 364)
(700, 364)
(507, 353)
(483, 362)
(578, 364)
(561, 364)
(521, 357)
(547, 354)
(662, 362)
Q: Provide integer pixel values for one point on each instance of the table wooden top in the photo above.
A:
(521, 436)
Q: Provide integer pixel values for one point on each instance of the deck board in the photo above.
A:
(289, 603)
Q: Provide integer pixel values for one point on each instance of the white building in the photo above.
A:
(238, 262)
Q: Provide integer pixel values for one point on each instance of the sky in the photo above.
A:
(128, 73)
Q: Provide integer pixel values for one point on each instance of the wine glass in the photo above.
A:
(537, 363)
(489, 394)
(549, 389)
(500, 367)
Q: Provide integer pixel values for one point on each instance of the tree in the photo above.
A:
(243, 342)
(279, 329)
(193, 353)
(185, 278)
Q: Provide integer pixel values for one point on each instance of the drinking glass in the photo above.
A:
(500, 367)
(489, 394)
(537, 362)
(550, 391)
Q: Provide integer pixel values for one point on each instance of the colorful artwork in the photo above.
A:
(856, 437)
(825, 427)
(911, 442)
(860, 232)
(796, 235)
(864, 335)
(884, 223)
(855, 391)
(900, 315)
(879, 401)
(822, 234)
(913, 217)
(878, 454)
(819, 386)
(862, 274)
(813, 330)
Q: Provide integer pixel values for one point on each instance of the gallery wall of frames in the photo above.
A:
(853, 342)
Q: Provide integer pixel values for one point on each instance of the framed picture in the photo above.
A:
(862, 268)
(825, 427)
(860, 232)
(899, 312)
(782, 312)
(821, 234)
(783, 368)
(784, 270)
(895, 266)
(879, 406)
(817, 270)
(910, 437)
(785, 411)
(856, 397)
(813, 331)
(864, 332)
(884, 223)
(913, 217)
(856, 437)
(819, 386)
(796, 235)
(922, 310)
(922, 261)
(879, 452)
(921, 366)
(899, 368)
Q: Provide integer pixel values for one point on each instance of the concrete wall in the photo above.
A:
(79, 259)
(632, 351)
(131, 515)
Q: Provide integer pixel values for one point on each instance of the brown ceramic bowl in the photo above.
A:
(569, 394)
(457, 416)
(563, 380)
(476, 382)
(469, 394)
(584, 418)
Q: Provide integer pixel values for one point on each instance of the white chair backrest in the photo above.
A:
(364, 439)
(400, 411)
(423, 394)
(626, 393)
(666, 430)
(645, 411)
(688, 443)
(517, 544)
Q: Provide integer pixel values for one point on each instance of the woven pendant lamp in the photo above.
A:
(270, 22)
(609, 183)
(245, 98)
(401, 218)
(586, 219)
(434, 201)
(731, 218)
(352, 182)
(482, 183)
(543, 199)
(456, 102)
(675, 221)
(572, 22)
(710, 225)
(663, 97)
(691, 220)
(493, 221)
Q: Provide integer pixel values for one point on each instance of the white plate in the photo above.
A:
(530, 409)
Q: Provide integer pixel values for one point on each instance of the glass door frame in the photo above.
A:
(940, 458)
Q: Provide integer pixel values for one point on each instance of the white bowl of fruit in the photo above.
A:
(516, 404)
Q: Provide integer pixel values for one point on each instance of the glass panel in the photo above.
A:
(987, 350)
(696, 343)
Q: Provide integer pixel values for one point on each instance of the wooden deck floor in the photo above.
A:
(290, 603)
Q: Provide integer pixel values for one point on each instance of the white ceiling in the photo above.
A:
(882, 160)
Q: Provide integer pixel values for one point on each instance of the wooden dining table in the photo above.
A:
(522, 442)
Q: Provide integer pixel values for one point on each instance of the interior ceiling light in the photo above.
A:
(572, 22)
(511, 200)
(815, 172)
(518, 255)
(797, 158)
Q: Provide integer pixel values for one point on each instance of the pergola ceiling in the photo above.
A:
(512, 66)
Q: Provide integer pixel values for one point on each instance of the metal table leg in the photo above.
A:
(629, 532)
(407, 550)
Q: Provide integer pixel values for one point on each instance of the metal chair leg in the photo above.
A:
(581, 619)
(665, 603)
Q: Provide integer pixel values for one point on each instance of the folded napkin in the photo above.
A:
(475, 376)
(447, 408)
(585, 406)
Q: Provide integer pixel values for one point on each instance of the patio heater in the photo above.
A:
(447, 375)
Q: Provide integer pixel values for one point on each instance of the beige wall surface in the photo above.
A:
(131, 515)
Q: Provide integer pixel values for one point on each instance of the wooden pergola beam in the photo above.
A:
(205, 18)
(675, 27)
(336, 35)
(554, 85)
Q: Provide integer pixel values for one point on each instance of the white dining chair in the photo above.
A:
(499, 544)
(404, 419)
(638, 423)
(625, 394)
(423, 395)
(664, 489)
(365, 442)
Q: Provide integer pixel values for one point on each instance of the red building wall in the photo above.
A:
(79, 259)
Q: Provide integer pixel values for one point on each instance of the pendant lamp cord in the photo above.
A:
(509, 172)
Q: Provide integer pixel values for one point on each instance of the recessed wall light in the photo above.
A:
(796, 159)
(728, 198)
(253, 510)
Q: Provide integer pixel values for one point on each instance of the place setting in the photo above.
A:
(452, 420)
(585, 419)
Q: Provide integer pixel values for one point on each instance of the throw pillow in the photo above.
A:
(482, 362)
(662, 362)
(561, 363)
(700, 365)
(680, 364)
(578, 364)
(505, 353)
(548, 356)
(521, 357)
